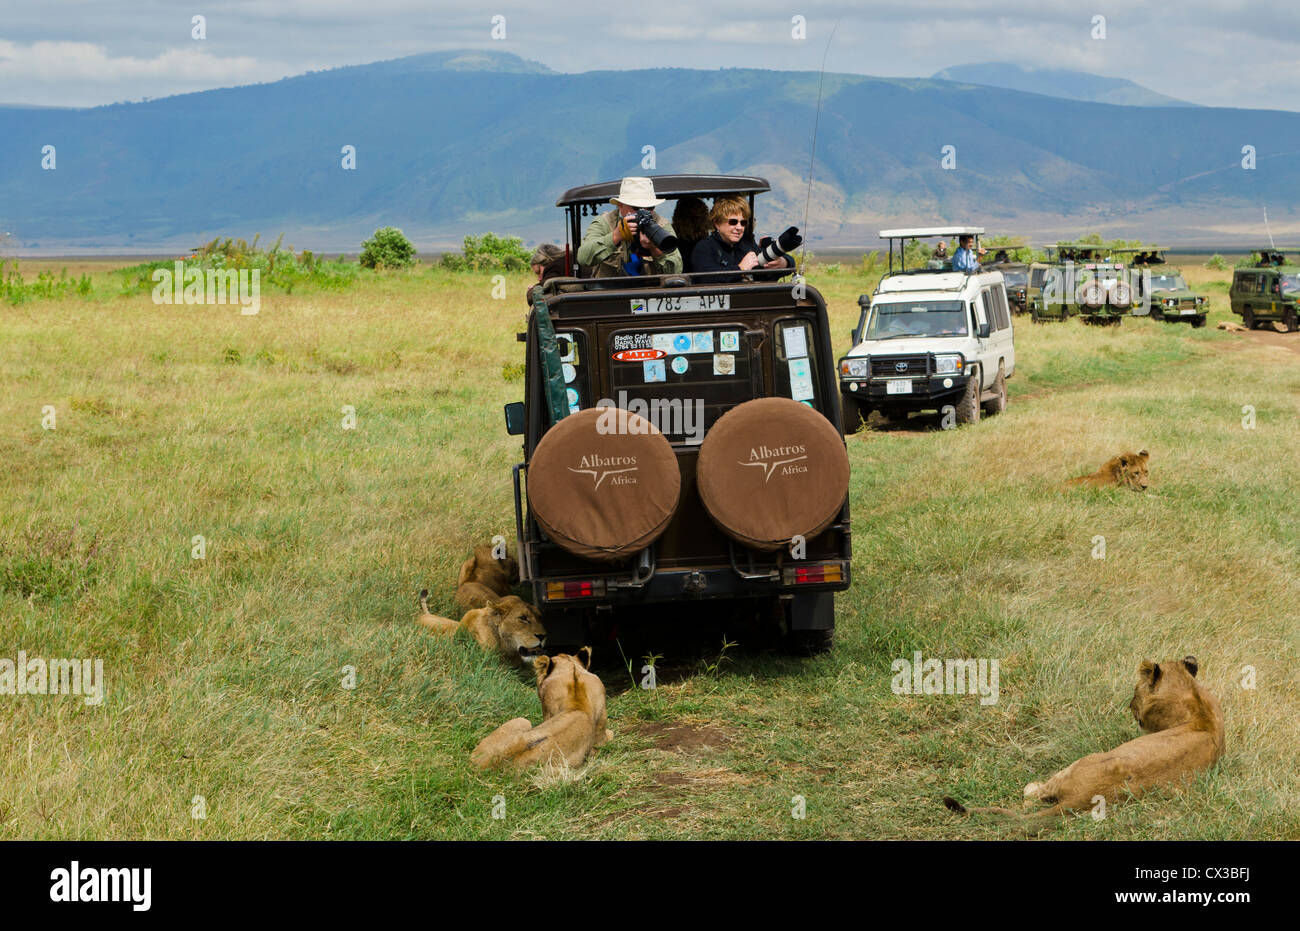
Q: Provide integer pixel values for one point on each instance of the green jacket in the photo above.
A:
(599, 253)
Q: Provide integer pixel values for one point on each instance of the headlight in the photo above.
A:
(1200, 301)
(855, 368)
(1170, 302)
(948, 365)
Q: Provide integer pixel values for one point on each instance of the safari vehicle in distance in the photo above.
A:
(1267, 290)
(1080, 279)
(927, 339)
(1162, 291)
(740, 494)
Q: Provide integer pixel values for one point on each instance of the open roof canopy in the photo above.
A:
(669, 187)
(931, 232)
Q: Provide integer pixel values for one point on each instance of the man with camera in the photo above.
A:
(631, 239)
(731, 245)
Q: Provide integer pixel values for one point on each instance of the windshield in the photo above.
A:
(1168, 283)
(917, 318)
(1290, 284)
(1013, 279)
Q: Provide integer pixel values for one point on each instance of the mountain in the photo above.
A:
(468, 142)
(1058, 82)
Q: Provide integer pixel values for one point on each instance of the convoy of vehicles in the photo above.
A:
(929, 339)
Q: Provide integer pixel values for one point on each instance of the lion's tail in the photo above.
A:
(424, 601)
(1030, 820)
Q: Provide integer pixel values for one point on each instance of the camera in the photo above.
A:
(662, 239)
(772, 249)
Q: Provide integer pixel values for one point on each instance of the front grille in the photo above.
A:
(918, 366)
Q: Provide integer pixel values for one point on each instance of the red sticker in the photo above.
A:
(638, 355)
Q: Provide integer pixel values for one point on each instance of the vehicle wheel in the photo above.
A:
(852, 414)
(1248, 318)
(1157, 313)
(1289, 319)
(968, 408)
(809, 642)
(1198, 322)
(999, 403)
(1033, 315)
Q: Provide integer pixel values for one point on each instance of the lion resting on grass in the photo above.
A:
(1185, 736)
(483, 578)
(573, 719)
(509, 625)
(1128, 470)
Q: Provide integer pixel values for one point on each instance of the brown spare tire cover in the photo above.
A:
(603, 483)
(772, 468)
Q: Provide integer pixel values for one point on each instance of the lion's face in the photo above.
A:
(1166, 694)
(519, 627)
(1130, 470)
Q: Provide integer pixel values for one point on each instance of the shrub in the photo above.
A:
(489, 252)
(1217, 263)
(388, 248)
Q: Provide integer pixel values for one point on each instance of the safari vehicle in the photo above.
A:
(1080, 279)
(927, 339)
(1161, 289)
(740, 496)
(1015, 279)
(1267, 290)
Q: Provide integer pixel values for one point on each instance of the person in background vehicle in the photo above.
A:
(940, 257)
(963, 260)
(731, 245)
(546, 262)
(612, 245)
(691, 223)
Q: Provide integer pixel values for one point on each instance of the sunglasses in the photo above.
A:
(733, 221)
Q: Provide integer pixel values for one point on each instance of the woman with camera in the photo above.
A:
(731, 245)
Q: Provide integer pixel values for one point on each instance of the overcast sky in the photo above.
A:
(88, 52)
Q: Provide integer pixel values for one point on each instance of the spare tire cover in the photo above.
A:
(603, 483)
(771, 469)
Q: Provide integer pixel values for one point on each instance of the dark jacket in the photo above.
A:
(712, 254)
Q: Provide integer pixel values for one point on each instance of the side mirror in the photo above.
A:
(984, 331)
(515, 418)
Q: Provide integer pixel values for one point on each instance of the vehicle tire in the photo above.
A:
(1248, 318)
(1198, 322)
(968, 408)
(1289, 319)
(852, 414)
(998, 404)
(771, 469)
(604, 483)
(1157, 313)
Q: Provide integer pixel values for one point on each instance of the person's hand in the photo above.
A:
(650, 247)
(778, 262)
(983, 250)
(749, 261)
(618, 228)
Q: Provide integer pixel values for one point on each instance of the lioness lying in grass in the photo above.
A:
(509, 625)
(484, 578)
(1128, 470)
(573, 718)
(1185, 736)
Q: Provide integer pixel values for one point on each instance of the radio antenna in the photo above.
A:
(1272, 245)
(812, 156)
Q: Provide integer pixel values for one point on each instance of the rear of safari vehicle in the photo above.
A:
(681, 444)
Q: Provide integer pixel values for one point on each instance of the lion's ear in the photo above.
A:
(583, 657)
(1191, 664)
(541, 666)
(1123, 462)
(1143, 454)
(1149, 672)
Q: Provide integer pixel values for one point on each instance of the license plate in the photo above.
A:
(1186, 311)
(663, 305)
(898, 386)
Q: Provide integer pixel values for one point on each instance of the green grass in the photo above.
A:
(224, 673)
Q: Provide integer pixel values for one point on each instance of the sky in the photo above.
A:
(91, 52)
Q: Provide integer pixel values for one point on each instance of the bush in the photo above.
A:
(388, 248)
(489, 252)
(1217, 263)
(47, 286)
(277, 267)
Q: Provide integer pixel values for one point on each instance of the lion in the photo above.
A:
(1127, 470)
(573, 719)
(484, 578)
(1185, 736)
(509, 625)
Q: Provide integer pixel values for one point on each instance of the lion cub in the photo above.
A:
(1185, 736)
(509, 625)
(484, 578)
(1127, 470)
(573, 718)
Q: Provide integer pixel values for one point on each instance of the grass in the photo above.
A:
(225, 674)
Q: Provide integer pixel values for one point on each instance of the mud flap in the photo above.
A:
(557, 402)
(813, 611)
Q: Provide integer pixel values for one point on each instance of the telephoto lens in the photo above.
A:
(770, 249)
(662, 239)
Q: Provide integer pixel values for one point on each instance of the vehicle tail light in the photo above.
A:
(568, 591)
(814, 573)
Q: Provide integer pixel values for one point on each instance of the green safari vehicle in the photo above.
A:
(1267, 290)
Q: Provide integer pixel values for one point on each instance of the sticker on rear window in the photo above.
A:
(801, 384)
(654, 371)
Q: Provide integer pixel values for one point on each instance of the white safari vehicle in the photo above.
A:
(929, 338)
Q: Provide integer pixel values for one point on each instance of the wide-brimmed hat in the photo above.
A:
(636, 192)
